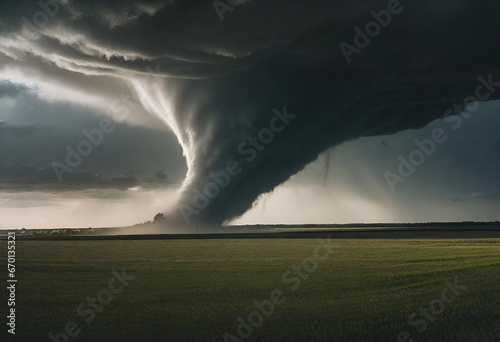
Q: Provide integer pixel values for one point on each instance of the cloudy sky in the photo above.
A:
(113, 111)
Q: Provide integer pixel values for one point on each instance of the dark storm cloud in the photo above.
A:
(22, 178)
(230, 75)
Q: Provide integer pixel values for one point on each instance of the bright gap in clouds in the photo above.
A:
(99, 208)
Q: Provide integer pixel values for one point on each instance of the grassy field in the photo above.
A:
(194, 290)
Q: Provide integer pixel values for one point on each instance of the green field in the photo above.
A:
(194, 290)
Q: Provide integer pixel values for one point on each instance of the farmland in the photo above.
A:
(195, 290)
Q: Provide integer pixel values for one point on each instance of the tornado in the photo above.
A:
(255, 97)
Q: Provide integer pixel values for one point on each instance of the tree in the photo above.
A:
(158, 217)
